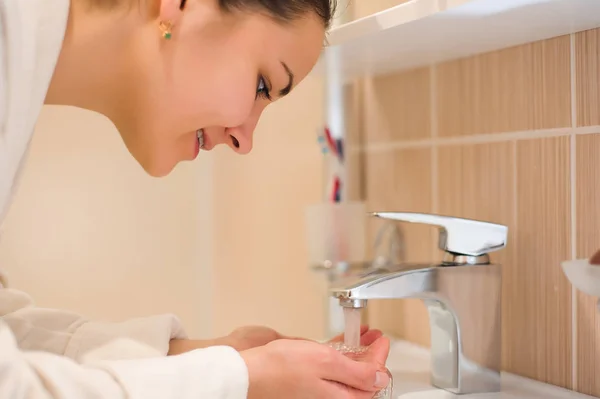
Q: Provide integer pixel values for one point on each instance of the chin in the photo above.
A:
(155, 163)
(156, 168)
(160, 171)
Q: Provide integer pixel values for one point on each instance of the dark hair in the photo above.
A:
(285, 10)
(282, 10)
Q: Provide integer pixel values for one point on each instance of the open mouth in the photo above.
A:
(200, 136)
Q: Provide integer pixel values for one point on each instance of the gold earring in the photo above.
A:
(166, 27)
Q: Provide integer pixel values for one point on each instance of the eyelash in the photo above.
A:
(264, 90)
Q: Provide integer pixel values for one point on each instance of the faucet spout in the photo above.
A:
(463, 300)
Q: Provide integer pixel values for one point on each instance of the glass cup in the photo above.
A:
(357, 353)
(336, 232)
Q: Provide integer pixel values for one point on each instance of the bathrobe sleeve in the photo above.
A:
(47, 353)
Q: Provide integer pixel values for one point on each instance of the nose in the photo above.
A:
(241, 136)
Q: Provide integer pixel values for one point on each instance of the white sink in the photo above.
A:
(409, 365)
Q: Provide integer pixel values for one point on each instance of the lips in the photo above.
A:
(204, 141)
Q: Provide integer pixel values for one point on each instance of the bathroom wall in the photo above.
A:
(511, 137)
(89, 231)
(220, 241)
(261, 273)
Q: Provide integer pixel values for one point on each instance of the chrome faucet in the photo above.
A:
(462, 296)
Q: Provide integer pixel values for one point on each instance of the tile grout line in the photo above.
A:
(515, 218)
(573, 193)
(478, 139)
(434, 135)
(515, 198)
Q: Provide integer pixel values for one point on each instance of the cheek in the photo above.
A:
(213, 91)
(233, 106)
(232, 93)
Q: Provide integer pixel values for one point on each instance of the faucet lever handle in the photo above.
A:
(458, 236)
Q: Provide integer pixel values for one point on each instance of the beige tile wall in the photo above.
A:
(588, 238)
(261, 273)
(511, 137)
(88, 223)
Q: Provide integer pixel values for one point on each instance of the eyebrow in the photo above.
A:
(286, 90)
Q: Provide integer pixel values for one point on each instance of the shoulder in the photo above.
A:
(32, 33)
(31, 37)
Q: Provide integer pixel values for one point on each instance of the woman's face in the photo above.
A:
(217, 73)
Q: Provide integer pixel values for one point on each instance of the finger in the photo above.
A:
(369, 337)
(296, 338)
(292, 338)
(361, 375)
(336, 390)
(333, 390)
(340, 338)
(378, 351)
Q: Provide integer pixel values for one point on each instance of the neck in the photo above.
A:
(94, 67)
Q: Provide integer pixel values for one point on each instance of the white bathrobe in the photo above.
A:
(47, 353)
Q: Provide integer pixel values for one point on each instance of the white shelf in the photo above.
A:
(423, 32)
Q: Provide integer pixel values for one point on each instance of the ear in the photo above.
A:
(170, 11)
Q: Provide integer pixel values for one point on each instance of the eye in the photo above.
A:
(262, 90)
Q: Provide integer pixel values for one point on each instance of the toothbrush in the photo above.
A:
(330, 142)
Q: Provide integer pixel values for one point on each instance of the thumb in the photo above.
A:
(378, 351)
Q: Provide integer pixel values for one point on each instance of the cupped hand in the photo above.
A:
(367, 336)
(295, 369)
(240, 339)
(248, 337)
(252, 336)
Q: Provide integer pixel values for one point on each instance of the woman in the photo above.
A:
(175, 77)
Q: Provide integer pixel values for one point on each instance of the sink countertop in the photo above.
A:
(409, 365)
